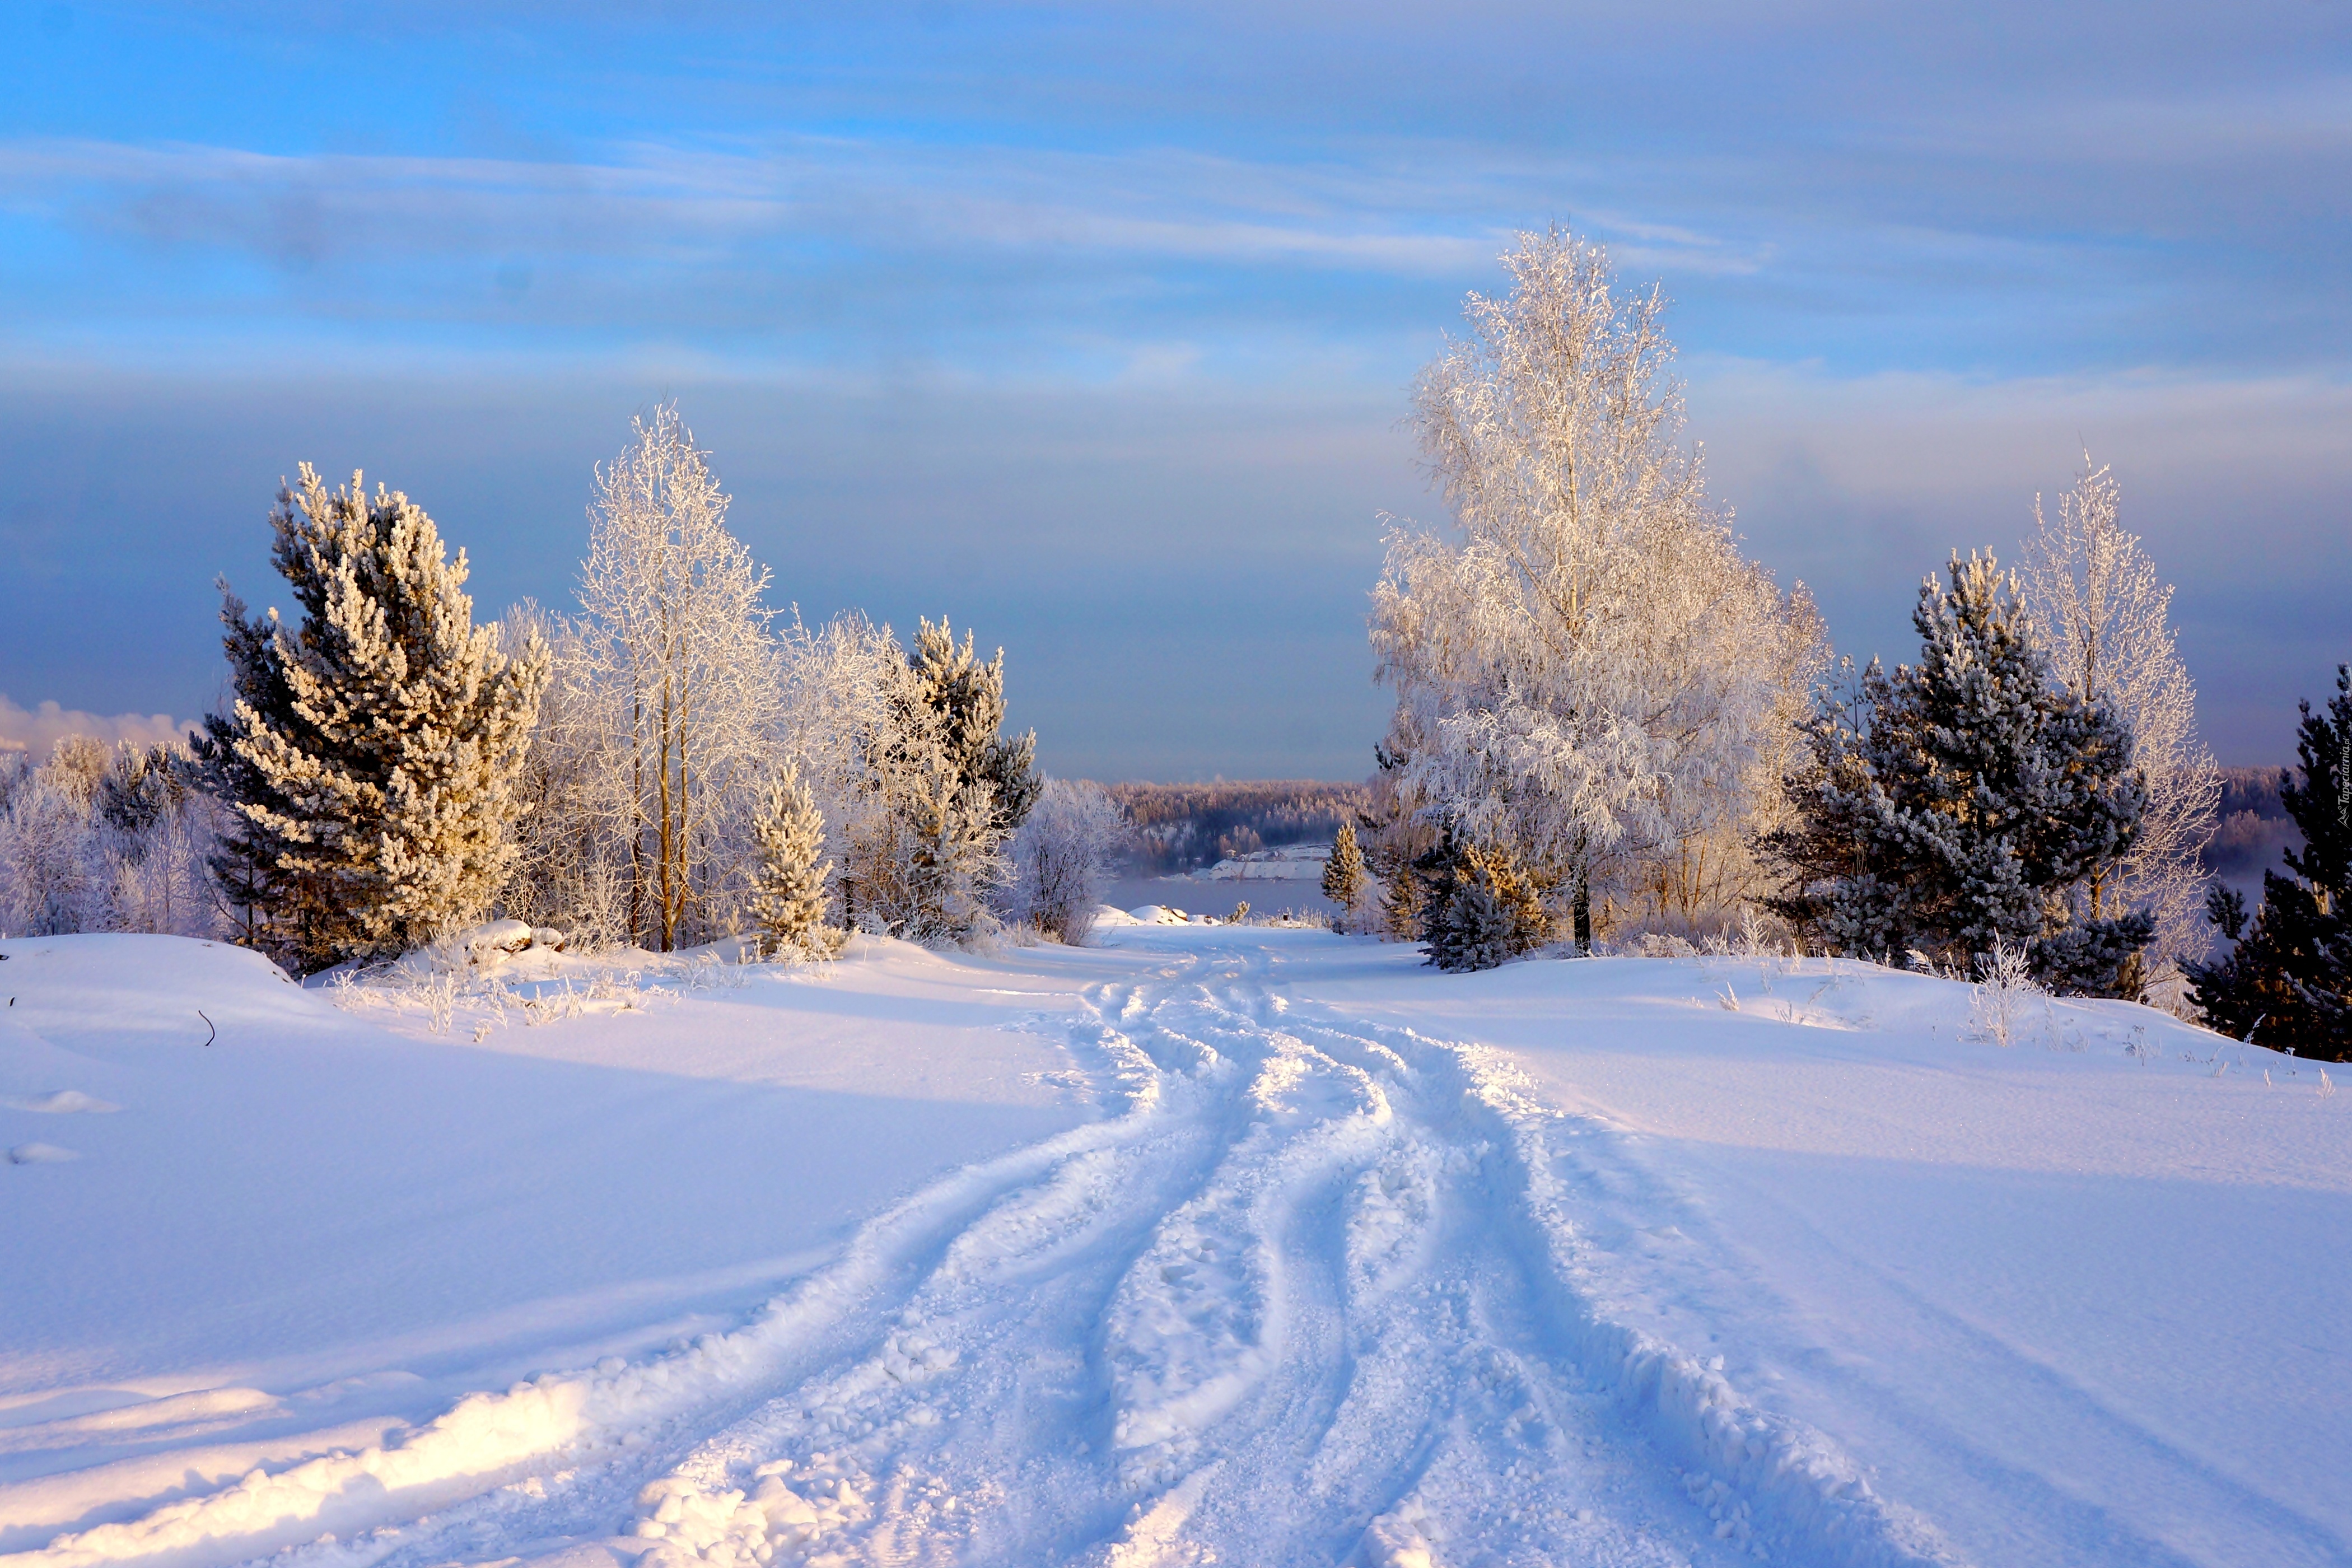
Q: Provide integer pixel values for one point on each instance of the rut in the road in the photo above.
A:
(1304, 1312)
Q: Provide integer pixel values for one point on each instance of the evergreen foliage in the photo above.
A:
(788, 895)
(1343, 873)
(1479, 909)
(1960, 801)
(2287, 981)
(944, 790)
(370, 751)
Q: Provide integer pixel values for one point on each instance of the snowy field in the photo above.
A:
(1204, 1245)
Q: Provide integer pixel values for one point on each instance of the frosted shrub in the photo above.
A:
(1997, 1011)
(1062, 859)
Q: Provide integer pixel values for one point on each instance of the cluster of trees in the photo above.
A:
(1596, 693)
(1607, 719)
(670, 764)
(100, 839)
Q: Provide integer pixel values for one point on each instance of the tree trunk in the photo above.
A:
(1583, 909)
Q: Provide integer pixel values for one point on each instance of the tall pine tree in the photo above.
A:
(371, 750)
(2287, 982)
(1965, 801)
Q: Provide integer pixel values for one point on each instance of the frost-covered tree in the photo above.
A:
(1061, 858)
(153, 833)
(49, 880)
(1343, 873)
(1586, 670)
(1961, 803)
(371, 750)
(944, 789)
(2105, 616)
(98, 841)
(671, 691)
(2287, 981)
(787, 896)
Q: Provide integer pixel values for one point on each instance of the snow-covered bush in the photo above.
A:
(1062, 859)
(1481, 908)
(788, 898)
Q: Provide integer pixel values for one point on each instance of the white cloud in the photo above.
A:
(37, 728)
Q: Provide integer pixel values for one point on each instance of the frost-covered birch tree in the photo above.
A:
(2105, 617)
(673, 684)
(1587, 671)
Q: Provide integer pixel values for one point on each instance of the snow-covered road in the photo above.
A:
(1319, 1281)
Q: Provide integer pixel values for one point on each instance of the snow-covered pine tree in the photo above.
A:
(1962, 801)
(2287, 981)
(1343, 873)
(946, 790)
(788, 897)
(371, 751)
(2105, 615)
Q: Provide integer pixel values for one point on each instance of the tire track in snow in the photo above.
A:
(1310, 1297)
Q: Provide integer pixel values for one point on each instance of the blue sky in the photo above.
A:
(1092, 326)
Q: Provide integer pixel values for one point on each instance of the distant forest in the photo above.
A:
(1182, 826)
(2254, 828)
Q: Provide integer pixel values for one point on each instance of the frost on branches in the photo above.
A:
(670, 696)
(942, 792)
(788, 883)
(1061, 858)
(101, 839)
(1588, 673)
(2105, 617)
(372, 753)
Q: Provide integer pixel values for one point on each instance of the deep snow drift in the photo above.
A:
(1211, 1244)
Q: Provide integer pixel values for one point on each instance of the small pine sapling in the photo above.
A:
(1343, 874)
(788, 895)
